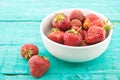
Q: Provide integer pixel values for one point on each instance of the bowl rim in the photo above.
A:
(77, 47)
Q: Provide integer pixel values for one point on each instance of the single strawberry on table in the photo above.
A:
(38, 65)
(28, 50)
(56, 35)
(61, 21)
(72, 38)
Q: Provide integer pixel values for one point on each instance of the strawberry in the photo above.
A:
(38, 65)
(61, 21)
(76, 14)
(95, 34)
(83, 33)
(72, 38)
(28, 50)
(56, 35)
(80, 30)
(89, 18)
(76, 28)
(97, 22)
(76, 22)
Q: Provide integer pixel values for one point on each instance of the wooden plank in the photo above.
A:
(11, 62)
(19, 33)
(63, 77)
(44, 3)
(36, 9)
(19, 24)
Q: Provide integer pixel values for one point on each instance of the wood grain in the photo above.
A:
(37, 9)
(20, 23)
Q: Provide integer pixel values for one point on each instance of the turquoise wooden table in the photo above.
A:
(19, 24)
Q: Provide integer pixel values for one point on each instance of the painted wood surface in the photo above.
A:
(19, 24)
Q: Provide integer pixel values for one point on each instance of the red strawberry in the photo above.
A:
(56, 35)
(95, 34)
(97, 22)
(76, 28)
(83, 33)
(38, 65)
(76, 22)
(72, 38)
(28, 50)
(76, 14)
(80, 30)
(89, 18)
(61, 21)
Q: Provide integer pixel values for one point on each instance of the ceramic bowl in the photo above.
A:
(71, 53)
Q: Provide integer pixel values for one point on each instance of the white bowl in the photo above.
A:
(70, 53)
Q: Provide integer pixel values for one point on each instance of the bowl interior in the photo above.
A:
(46, 23)
(66, 53)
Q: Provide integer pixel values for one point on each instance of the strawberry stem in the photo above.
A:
(107, 22)
(46, 58)
(115, 23)
(54, 29)
(106, 26)
(79, 29)
(72, 31)
(59, 17)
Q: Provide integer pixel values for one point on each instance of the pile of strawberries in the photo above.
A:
(77, 29)
(38, 65)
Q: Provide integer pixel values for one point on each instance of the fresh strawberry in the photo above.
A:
(61, 21)
(72, 38)
(76, 28)
(56, 35)
(97, 22)
(38, 65)
(95, 34)
(76, 22)
(28, 50)
(83, 33)
(80, 30)
(76, 14)
(88, 19)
